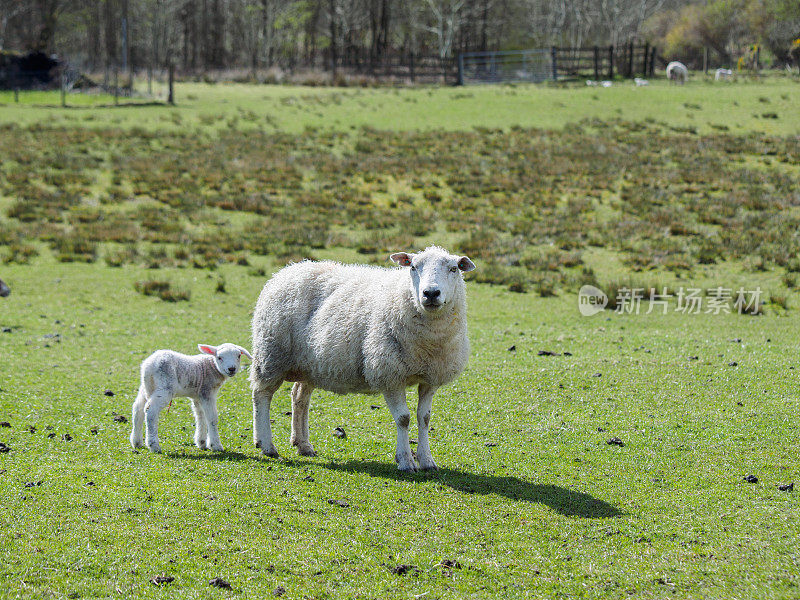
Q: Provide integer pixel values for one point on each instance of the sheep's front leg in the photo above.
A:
(396, 402)
(200, 427)
(301, 396)
(157, 401)
(423, 422)
(262, 429)
(209, 405)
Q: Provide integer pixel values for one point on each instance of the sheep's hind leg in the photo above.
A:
(157, 401)
(137, 419)
(262, 429)
(200, 426)
(301, 396)
(396, 402)
(426, 461)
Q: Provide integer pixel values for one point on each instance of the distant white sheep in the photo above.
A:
(723, 74)
(606, 84)
(167, 374)
(4, 289)
(639, 82)
(677, 72)
(357, 328)
(591, 83)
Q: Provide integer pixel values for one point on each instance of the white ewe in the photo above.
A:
(677, 72)
(723, 75)
(166, 374)
(356, 328)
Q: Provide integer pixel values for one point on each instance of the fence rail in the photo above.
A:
(556, 63)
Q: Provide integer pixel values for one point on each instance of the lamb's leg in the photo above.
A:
(137, 418)
(212, 422)
(301, 396)
(396, 402)
(200, 426)
(262, 429)
(157, 401)
(423, 421)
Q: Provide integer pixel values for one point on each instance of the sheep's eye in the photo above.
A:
(453, 269)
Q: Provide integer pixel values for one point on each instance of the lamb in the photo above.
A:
(722, 74)
(166, 374)
(4, 289)
(358, 328)
(677, 72)
(639, 82)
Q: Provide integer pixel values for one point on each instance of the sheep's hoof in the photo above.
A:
(201, 444)
(431, 466)
(272, 452)
(136, 442)
(407, 466)
(306, 450)
(216, 447)
(154, 447)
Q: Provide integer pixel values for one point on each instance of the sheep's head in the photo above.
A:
(436, 276)
(227, 357)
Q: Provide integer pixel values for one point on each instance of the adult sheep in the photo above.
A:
(677, 72)
(357, 328)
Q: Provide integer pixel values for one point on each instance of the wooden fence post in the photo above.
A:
(645, 56)
(171, 96)
(460, 68)
(116, 84)
(596, 63)
(652, 61)
(630, 59)
(411, 66)
(705, 60)
(611, 62)
(554, 58)
(63, 88)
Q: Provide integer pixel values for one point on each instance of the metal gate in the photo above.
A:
(505, 67)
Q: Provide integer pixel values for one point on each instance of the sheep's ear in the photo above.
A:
(465, 264)
(206, 349)
(245, 352)
(402, 258)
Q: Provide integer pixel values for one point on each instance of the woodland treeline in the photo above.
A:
(201, 35)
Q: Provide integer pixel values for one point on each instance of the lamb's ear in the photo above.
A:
(465, 264)
(402, 258)
(206, 349)
(245, 352)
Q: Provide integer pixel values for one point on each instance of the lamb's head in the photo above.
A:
(227, 357)
(436, 276)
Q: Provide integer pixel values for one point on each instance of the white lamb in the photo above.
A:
(639, 82)
(167, 374)
(723, 74)
(677, 72)
(356, 328)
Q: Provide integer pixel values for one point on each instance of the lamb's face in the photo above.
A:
(227, 357)
(435, 276)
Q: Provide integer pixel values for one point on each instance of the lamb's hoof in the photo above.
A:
(155, 447)
(306, 450)
(272, 452)
(428, 466)
(137, 443)
(215, 447)
(201, 444)
(407, 465)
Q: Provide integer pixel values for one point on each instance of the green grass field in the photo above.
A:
(547, 189)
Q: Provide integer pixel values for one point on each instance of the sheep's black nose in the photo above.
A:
(431, 294)
(231, 370)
